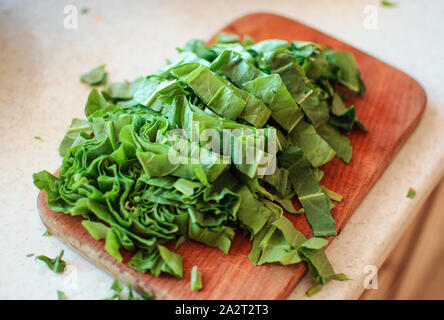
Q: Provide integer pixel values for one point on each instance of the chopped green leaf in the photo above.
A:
(78, 132)
(411, 194)
(272, 91)
(180, 241)
(95, 102)
(347, 70)
(97, 230)
(333, 195)
(341, 277)
(57, 265)
(386, 3)
(318, 265)
(131, 296)
(196, 279)
(224, 37)
(118, 294)
(172, 260)
(313, 290)
(316, 150)
(310, 193)
(248, 40)
(314, 243)
(61, 295)
(96, 76)
(148, 297)
(117, 91)
(112, 245)
(117, 288)
(340, 144)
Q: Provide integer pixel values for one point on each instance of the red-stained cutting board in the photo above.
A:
(391, 109)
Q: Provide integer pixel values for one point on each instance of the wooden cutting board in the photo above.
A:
(391, 109)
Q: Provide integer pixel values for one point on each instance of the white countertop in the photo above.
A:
(40, 92)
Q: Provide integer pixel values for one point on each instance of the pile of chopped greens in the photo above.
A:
(117, 174)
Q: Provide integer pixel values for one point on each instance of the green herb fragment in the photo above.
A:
(95, 77)
(38, 138)
(316, 150)
(287, 205)
(57, 265)
(347, 70)
(46, 233)
(224, 37)
(180, 241)
(172, 260)
(148, 297)
(248, 40)
(333, 195)
(341, 277)
(84, 11)
(131, 296)
(318, 287)
(272, 91)
(411, 194)
(196, 279)
(313, 290)
(310, 193)
(340, 144)
(198, 48)
(117, 287)
(314, 243)
(158, 261)
(112, 245)
(386, 3)
(61, 295)
(29, 255)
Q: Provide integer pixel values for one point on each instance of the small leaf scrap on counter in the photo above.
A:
(57, 265)
(411, 194)
(341, 277)
(95, 77)
(117, 289)
(139, 184)
(313, 290)
(61, 295)
(386, 3)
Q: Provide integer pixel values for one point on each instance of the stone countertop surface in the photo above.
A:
(40, 65)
